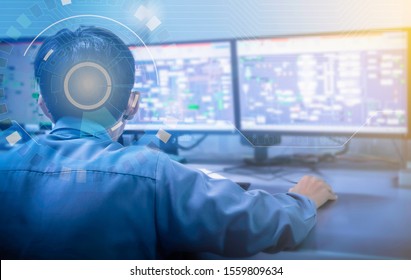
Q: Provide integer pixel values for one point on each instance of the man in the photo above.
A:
(78, 194)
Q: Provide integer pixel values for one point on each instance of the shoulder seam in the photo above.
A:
(76, 170)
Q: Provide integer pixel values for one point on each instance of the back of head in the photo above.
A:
(88, 73)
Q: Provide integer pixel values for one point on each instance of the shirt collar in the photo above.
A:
(80, 128)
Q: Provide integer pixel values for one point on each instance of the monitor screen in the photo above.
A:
(188, 87)
(338, 83)
(18, 86)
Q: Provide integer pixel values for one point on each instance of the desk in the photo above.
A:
(370, 220)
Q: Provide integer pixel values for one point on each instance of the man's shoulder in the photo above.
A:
(138, 160)
(128, 161)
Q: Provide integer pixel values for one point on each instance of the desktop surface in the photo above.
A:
(368, 221)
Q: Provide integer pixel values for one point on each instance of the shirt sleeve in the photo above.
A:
(195, 213)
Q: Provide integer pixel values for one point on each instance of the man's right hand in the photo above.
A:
(315, 189)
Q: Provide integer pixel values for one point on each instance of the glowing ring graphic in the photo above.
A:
(67, 91)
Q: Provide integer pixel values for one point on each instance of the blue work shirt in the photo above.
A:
(76, 194)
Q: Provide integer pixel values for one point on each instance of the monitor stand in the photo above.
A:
(261, 143)
(260, 157)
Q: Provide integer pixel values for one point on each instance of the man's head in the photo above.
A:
(88, 73)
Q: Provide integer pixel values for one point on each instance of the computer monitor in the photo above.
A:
(344, 84)
(19, 91)
(184, 87)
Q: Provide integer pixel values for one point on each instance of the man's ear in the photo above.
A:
(132, 106)
(44, 108)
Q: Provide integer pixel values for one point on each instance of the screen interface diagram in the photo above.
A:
(194, 87)
(330, 83)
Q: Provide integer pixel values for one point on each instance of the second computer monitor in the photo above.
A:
(330, 84)
(184, 87)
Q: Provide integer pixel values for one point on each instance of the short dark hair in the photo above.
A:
(61, 52)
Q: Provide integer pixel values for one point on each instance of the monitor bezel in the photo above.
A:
(178, 129)
(357, 133)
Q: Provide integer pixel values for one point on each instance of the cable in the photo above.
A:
(288, 180)
(335, 140)
(344, 150)
(198, 142)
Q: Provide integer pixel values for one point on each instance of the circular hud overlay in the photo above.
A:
(83, 85)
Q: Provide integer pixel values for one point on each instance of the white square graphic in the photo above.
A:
(65, 2)
(141, 13)
(153, 23)
(65, 174)
(163, 135)
(13, 138)
(81, 176)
